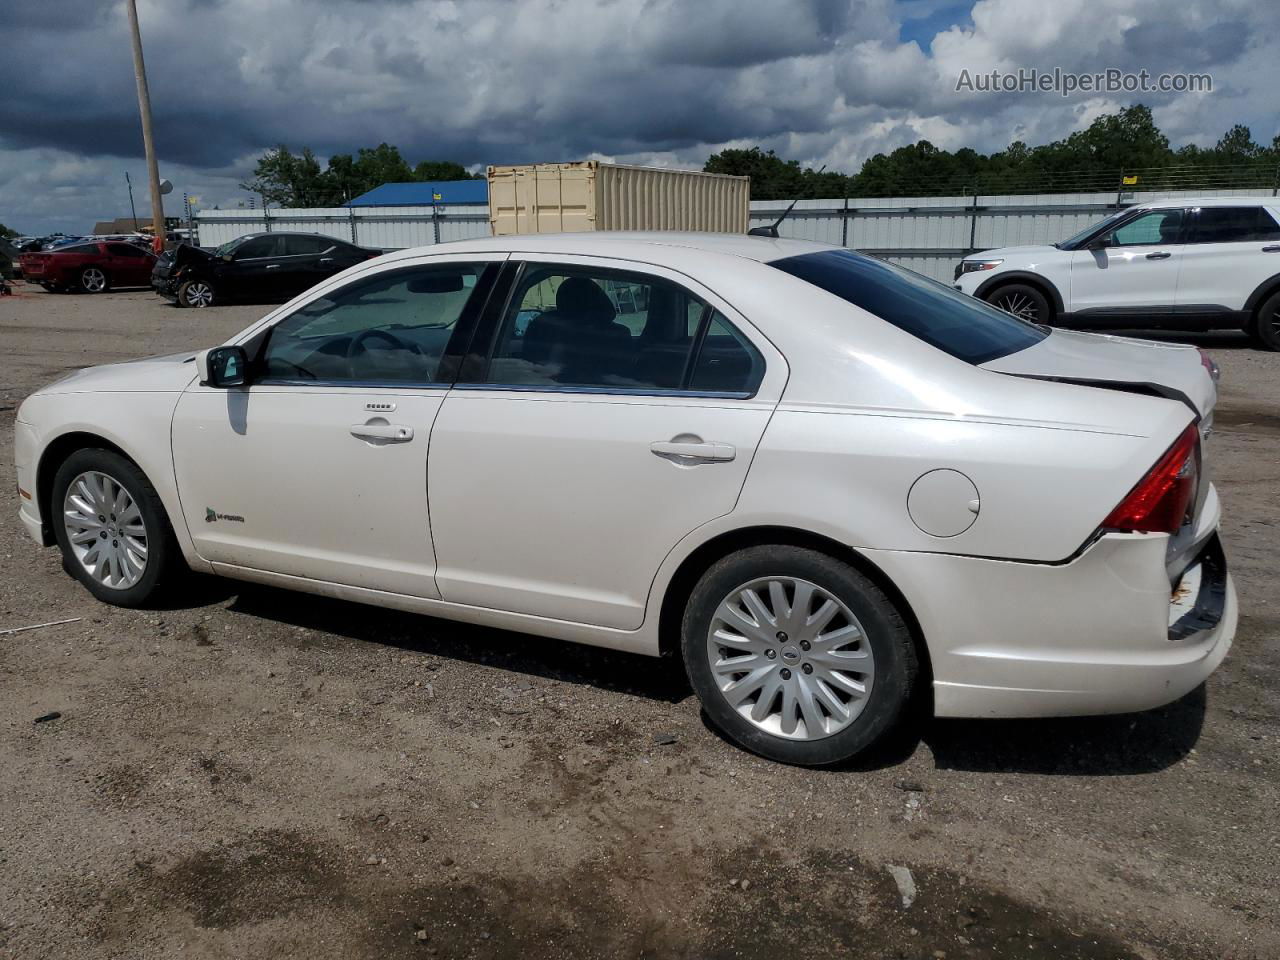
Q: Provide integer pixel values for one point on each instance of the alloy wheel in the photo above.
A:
(199, 294)
(790, 657)
(93, 280)
(1020, 305)
(105, 529)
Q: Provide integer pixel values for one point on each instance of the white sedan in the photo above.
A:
(826, 482)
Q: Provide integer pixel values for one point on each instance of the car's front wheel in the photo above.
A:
(1264, 328)
(196, 293)
(93, 280)
(796, 655)
(112, 529)
(1023, 301)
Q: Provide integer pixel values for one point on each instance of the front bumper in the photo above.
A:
(24, 459)
(1103, 633)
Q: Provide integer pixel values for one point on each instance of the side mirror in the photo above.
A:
(223, 367)
(1099, 243)
(227, 257)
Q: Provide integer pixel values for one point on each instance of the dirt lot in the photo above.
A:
(253, 773)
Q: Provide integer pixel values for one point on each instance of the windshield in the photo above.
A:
(227, 247)
(1075, 239)
(955, 323)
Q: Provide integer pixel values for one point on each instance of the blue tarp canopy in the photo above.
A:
(424, 194)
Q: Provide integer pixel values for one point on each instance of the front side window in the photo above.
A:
(963, 326)
(582, 327)
(392, 328)
(1233, 225)
(1158, 226)
(257, 248)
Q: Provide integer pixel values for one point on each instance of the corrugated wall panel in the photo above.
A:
(928, 234)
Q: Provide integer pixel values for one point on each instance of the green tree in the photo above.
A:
(434, 171)
(288, 180)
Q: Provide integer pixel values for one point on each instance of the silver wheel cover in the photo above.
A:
(105, 530)
(790, 658)
(94, 280)
(199, 294)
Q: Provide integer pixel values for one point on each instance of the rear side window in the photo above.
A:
(301, 245)
(125, 250)
(89, 248)
(582, 327)
(1233, 225)
(955, 323)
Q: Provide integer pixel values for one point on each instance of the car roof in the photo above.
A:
(652, 246)
(1206, 202)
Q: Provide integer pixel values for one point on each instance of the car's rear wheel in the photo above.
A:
(93, 280)
(796, 655)
(196, 293)
(112, 529)
(1264, 328)
(1023, 301)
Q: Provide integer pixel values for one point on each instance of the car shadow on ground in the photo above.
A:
(1125, 744)
(653, 678)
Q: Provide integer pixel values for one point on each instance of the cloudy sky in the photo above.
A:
(654, 81)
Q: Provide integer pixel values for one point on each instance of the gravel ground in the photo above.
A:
(250, 772)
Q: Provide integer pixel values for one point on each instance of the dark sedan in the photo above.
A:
(258, 267)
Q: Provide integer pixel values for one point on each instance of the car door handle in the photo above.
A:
(390, 432)
(1274, 248)
(324, 261)
(693, 450)
(1159, 255)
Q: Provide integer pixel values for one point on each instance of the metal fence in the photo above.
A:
(927, 234)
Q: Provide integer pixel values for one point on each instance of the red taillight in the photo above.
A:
(1209, 365)
(1162, 499)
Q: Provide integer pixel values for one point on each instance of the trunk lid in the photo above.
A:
(1173, 370)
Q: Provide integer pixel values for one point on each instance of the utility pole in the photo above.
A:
(148, 144)
(133, 212)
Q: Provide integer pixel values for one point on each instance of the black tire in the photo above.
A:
(188, 288)
(163, 554)
(1264, 328)
(93, 280)
(1022, 300)
(896, 663)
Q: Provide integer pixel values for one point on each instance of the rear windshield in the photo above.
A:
(955, 323)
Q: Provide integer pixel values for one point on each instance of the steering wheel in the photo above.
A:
(357, 346)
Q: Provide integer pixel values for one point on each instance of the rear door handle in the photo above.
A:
(1274, 248)
(1159, 255)
(693, 450)
(273, 266)
(390, 432)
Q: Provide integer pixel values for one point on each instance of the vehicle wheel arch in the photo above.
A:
(54, 455)
(1046, 287)
(682, 581)
(1261, 294)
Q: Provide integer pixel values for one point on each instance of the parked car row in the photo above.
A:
(257, 267)
(1180, 264)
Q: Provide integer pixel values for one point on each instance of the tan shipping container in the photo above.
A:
(572, 197)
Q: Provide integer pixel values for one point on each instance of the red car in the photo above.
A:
(89, 267)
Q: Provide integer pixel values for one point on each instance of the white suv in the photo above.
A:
(1184, 264)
